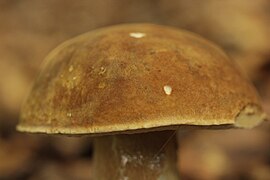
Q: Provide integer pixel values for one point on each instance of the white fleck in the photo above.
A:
(70, 68)
(69, 114)
(155, 163)
(152, 166)
(125, 178)
(74, 78)
(102, 70)
(102, 85)
(137, 34)
(124, 160)
(167, 89)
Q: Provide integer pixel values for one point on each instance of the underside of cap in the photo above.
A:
(137, 78)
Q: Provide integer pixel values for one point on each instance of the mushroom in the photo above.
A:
(132, 86)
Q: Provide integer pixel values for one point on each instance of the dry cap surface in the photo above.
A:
(136, 77)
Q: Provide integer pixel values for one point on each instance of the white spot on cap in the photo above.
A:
(137, 34)
(167, 89)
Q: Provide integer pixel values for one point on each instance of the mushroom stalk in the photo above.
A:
(147, 156)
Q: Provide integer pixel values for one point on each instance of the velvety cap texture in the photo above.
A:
(137, 77)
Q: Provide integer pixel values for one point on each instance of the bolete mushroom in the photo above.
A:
(136, 84)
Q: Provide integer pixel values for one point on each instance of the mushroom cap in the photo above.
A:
(137, 78)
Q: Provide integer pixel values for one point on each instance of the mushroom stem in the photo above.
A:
(147, 156)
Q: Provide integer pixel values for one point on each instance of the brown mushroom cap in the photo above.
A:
(134, 78)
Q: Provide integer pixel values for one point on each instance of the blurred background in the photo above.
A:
(29, 29)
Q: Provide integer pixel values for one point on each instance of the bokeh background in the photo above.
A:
(29, 29)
